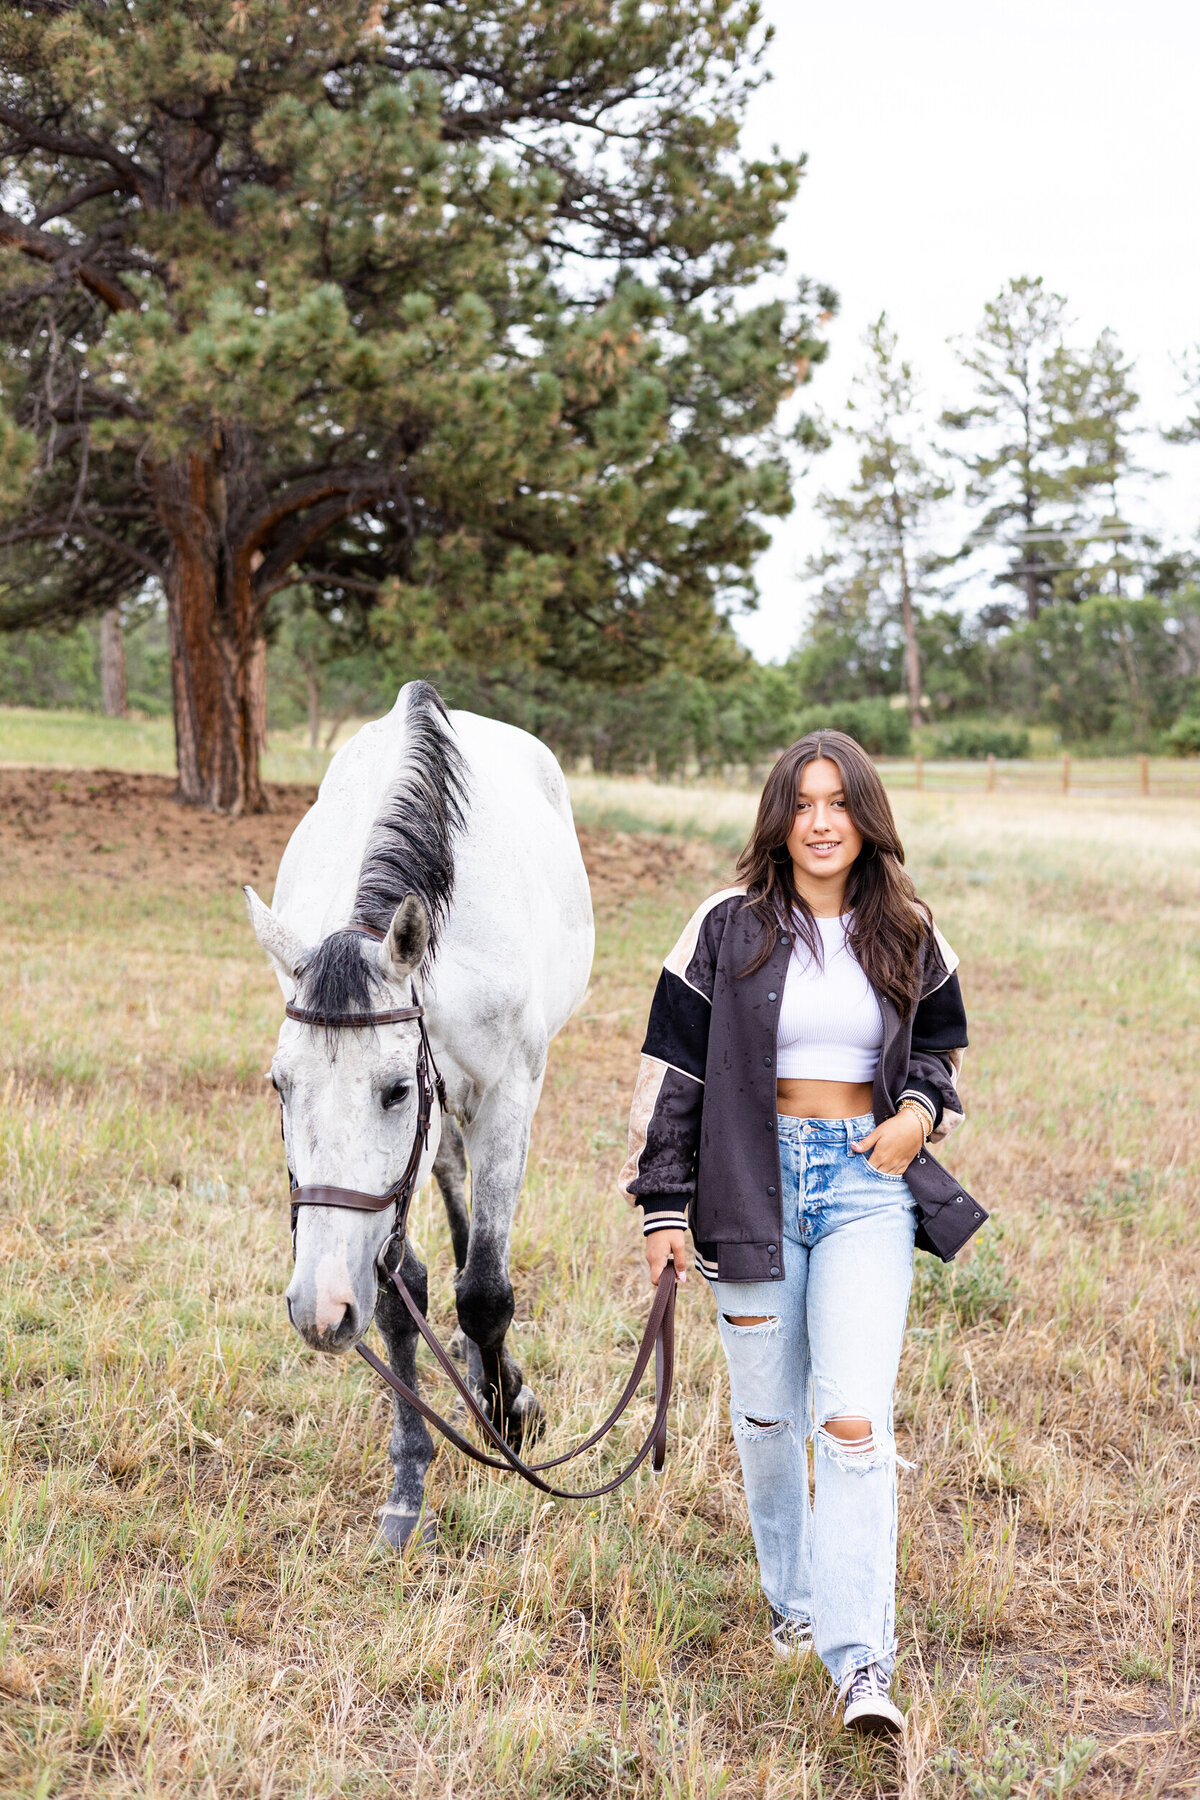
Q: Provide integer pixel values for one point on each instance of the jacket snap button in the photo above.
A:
(770, 1124)
(921, 1160)
(958, 1200)
(774, 1271)
(771, 1191)
(772, 996)
(766, 1062)
(784, 938)
(976, 1215)
(770, 1249)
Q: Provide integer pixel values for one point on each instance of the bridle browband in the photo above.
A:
(657, 1339)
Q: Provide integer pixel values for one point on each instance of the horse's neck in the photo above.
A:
(318, 877)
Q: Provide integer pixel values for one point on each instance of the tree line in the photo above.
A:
(342, 344)
(1094, 627)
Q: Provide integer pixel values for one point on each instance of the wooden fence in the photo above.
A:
(1140, 777)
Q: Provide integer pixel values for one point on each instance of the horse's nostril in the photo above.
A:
(347, 1329)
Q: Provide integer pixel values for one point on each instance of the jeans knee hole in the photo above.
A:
(752, 1325)
(749, 1428)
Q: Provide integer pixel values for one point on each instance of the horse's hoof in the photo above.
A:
(525, 1421)
(458, 1345)
(400, 1530)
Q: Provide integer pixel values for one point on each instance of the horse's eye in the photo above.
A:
(394, 1096)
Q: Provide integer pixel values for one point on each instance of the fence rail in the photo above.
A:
(1147, 777)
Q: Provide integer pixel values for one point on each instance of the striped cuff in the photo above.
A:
(662, 1212)
(922, 1098)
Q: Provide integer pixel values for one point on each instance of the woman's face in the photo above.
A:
(823, 843)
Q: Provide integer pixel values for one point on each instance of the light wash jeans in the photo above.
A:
(830, 1347)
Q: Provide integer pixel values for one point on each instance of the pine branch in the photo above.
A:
(66, 258)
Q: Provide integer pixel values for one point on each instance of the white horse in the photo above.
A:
(452, 836)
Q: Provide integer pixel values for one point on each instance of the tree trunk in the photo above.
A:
(912, 657)
(218, 652)
(908, 611)
(114, 693)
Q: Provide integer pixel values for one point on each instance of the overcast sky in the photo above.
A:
(953, 144)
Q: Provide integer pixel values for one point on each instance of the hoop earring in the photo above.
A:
(780, 856)
(873, 855)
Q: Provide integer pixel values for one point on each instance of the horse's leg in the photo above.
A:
(498, 1142)
(411, 1447)
(450, 1171)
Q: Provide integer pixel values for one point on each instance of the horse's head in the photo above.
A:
(350, 1099)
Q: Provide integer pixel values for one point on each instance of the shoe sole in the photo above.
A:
(873, 1724)
(797, 1654)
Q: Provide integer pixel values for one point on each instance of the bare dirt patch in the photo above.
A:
(108, 823)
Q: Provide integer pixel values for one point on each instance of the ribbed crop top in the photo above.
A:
(830, 1025)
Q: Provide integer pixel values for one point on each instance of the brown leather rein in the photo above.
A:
(659, 1335)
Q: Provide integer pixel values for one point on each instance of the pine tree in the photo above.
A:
(875, 576)
(1020, 476)
(1051, 433)
(1096, 401)
(440, 307)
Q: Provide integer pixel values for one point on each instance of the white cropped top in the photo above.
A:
(830, 1025)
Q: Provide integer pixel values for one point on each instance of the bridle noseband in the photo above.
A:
(401, 1192)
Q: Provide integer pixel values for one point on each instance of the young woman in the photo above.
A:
(801, 1054)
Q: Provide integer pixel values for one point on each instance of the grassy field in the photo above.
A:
(89, 741)
(83, 740)
(190, 1604)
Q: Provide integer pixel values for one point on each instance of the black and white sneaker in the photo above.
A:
(791, 1639)
(868, 1708)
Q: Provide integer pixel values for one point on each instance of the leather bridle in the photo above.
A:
(401, 1192)
(659, 1335)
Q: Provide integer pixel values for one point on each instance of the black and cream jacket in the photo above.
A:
(703, 1135)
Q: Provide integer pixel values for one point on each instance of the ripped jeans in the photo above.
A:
(829, 1348)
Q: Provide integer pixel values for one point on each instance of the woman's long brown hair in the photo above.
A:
(889, 923)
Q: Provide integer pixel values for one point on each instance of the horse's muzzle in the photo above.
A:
(327, 1327)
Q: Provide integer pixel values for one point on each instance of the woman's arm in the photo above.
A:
(664, 1119)
(939, 1037)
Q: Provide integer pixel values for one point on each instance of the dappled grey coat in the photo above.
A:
(703, 1138)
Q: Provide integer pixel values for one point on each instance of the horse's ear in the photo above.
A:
(407, 939)
(277, 939)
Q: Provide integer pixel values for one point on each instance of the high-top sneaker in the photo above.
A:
(791, 1639)
(868, 1707)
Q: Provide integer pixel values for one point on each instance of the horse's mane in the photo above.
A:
(410, 851)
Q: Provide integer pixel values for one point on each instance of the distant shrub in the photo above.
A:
(881, 728)
(980, 741)
(1183, 739)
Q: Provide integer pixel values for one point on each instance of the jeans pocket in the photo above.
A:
(879, 1174)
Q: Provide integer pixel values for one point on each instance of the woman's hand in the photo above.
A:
(893, 1144)
(663, 1247)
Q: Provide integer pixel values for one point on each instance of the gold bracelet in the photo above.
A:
(914, 1106)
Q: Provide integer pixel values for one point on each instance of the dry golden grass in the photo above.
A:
(189, 1598)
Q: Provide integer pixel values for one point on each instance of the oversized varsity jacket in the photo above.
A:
(703, 1134)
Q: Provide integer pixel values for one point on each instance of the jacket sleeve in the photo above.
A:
(939, 1037)
(664, 1120)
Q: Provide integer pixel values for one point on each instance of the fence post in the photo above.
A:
(1144, 771)
(991, 774)
(1066, 774)
(919, 771)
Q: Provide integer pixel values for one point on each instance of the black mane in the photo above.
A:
(410, 851)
